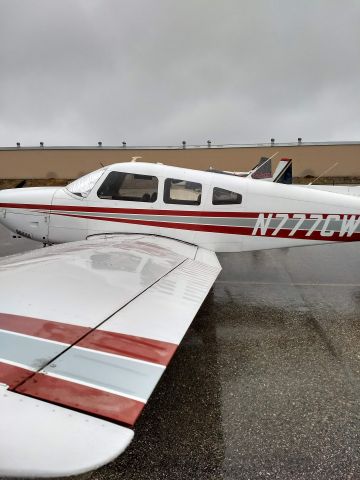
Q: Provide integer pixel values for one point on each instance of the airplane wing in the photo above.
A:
(86, 331)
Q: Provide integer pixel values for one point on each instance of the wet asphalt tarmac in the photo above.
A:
(266, 383)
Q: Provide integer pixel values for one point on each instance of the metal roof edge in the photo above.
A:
(179, 147)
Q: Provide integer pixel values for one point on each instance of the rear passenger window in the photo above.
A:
(182, 192)
(225, 197)
(129, 187)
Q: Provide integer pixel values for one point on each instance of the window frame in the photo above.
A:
(171, 201)
(226, 202)
(129, 199)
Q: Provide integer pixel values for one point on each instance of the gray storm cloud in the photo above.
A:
(155, 72)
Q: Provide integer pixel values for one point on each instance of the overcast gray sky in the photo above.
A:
(155, 72)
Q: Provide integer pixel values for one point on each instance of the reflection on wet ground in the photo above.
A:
(290, 365)
(266, 383)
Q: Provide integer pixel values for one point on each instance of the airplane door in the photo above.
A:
(124, 203)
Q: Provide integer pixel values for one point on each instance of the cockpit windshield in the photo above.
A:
(83, 185)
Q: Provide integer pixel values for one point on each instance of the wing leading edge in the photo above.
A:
(99, 351)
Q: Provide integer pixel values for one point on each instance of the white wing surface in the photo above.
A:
(86, 331)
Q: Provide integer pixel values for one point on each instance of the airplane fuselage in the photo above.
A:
(222, 213)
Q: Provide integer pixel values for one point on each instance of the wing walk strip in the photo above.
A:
(112, 370)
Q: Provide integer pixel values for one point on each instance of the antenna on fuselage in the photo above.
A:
(325, 171)
(135, 158)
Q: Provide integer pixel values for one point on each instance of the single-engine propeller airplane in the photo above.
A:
(88, 327)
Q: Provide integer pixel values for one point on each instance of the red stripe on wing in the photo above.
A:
(141, 348)
(80, 397)
(12, 375)
(129, 346)
(47, 329)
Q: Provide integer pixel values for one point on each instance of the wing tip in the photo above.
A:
(46, 440)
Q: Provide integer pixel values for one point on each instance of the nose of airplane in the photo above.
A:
(31, 196)
(26, 211)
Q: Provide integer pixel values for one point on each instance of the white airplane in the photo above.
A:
(88, 327)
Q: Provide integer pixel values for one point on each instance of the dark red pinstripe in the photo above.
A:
(182, 213)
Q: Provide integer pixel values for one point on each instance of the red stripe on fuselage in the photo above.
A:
(148, 211)
(142, 211)
(81, 397)
(228, 229)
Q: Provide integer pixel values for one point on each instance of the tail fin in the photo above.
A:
(283, 172)
(262, 170)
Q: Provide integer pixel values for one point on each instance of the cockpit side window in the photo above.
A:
(182, 192)
(225, 197)
(129, 187)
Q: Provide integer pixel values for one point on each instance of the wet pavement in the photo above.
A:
(266, 383)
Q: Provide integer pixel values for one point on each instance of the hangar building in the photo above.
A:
(45, 162)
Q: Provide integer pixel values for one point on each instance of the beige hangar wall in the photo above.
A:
(71, 162)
